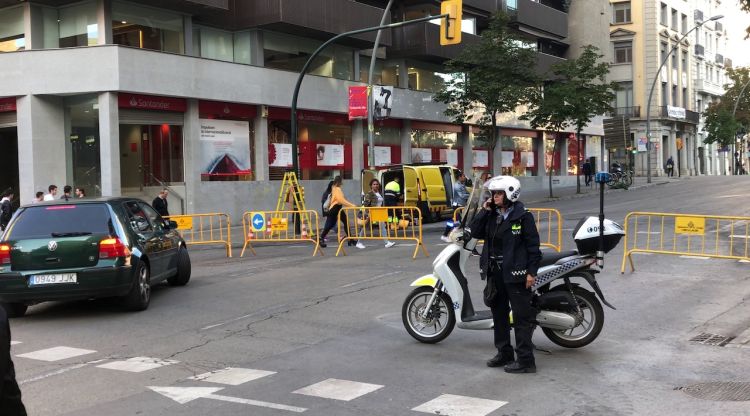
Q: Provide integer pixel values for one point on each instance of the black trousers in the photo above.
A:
(517, 297)
(331, 219)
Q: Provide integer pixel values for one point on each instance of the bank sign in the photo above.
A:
(150, 102)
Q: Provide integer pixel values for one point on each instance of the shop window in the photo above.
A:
(147, 28)
(227, 146)
(552, 154)
(518, 156)
(387, 143)
(155, 151)
(423, 142)
(213, 44)
(83, 143)
(575, 161)
(423, 78)
(287, 52)
(12, 36)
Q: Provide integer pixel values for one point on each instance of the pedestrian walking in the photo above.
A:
(6, 209)
(670, 167)
(52, 192)
(587, 172)
(39, 197)
(337, 202)
(67, 189)
(160, 203)
(374, 198)
(460, 198)
(294, 194)
(509, 261)
(10, 395)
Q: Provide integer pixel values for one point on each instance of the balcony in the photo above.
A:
(718, 27)
(628, 112)
(422, 41)
(699, 50)
(709, 87)
(698, 15)
(537, 17)
(679, 113)
(545, 62)
(719, 59)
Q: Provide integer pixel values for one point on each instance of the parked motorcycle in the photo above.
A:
(569, 315)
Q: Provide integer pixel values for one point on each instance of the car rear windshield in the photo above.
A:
(62, 221)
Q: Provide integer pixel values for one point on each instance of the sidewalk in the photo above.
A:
(569, 192)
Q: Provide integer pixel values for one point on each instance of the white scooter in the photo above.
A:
(569, 315)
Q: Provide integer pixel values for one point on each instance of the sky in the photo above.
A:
(735, 21)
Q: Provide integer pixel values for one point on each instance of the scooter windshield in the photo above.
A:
(479, 194)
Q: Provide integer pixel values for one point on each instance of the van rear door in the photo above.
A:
(411, 187)
(433, 183)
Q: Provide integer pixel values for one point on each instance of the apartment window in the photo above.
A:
(425, 77)
(664, 94)
(674, 20)
(674, 63)
(78, 25)
(663, 52)
(685, 98)
(290, 53)
(147, 28)
(621, 12)
(12, 36)
(684, 62)
(213, 44)
(663, 16)
(624, 95)
(684, 24)
(674, 96)
(623, 52)
(700, 105)
(242, 46)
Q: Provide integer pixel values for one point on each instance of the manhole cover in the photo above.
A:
(711, 339)
(725, 391)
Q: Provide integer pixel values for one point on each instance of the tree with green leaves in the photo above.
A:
(720, 125)
(489, 78)
(578, 91)
(745, 5)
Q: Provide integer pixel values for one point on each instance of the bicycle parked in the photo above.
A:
(620, 178)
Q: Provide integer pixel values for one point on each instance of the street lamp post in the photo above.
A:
(734, 139)
(651, 94)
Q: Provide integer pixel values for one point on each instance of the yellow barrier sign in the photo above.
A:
(184, 223)
(279, 224)
(290, 226)
(378, 214)
(210, 228)
(690, 225)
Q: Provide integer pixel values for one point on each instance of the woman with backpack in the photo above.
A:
(335, 201)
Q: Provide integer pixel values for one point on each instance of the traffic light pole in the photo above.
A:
(295, 159)
(370, 73)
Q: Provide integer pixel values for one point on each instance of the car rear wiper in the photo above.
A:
(71, 234)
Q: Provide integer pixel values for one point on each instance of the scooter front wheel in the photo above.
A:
(440, 319)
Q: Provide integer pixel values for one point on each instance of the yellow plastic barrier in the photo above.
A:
(212, 228)
(548, 223)
(279, 227)
(713, 236)
(406, 226)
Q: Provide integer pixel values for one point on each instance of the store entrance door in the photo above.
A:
(9, 161)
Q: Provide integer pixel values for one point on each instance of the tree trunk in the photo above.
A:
(493, 140)
(578, 161)
(552, 163)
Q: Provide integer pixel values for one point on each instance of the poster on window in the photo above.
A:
(280, 155)
(481, 158)
(421, 155)
(593, 146)
(382, 101)
(449, 156)
(382, 155)
(329, 154)
(527, 159)
(225, 147)
(508, 159)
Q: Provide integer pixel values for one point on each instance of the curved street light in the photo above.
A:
(651, 93)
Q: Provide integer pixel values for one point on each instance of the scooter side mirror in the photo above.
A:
(467, 234)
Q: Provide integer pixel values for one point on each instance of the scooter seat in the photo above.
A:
(552, 258)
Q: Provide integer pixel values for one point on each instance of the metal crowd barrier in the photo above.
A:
(401, 224)
(280, 227)
(212, 228)
(548, 223)
(713, 236)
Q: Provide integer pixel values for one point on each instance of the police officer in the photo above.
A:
(10, 394)
(391, 196)
(510, 260)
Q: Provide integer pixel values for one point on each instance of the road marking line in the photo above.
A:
(368, 280)
(232, 376)
(696, 257)
(450, 404)
(137, 364)
(739, 236)
(55, 354)
(648, 232)
(336, 389)
(184, 395)
(729, 196)
(58, 372)
(15, 342)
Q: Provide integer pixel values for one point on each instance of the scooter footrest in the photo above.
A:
(479, 316)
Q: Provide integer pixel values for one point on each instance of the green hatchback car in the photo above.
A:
(89, 248)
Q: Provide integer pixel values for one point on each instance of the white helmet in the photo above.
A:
(509, 184)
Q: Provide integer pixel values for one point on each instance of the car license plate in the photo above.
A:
(51, 279)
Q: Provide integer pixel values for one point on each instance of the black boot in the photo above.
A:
(321, 241)
(351, 243)
(518, 367)
(500, 360)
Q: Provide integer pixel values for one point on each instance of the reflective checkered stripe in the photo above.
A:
(518, 273)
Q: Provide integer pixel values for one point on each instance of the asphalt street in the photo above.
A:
(284, 333)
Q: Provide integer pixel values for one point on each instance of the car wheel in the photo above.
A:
(15, 310)
(140, 294)
(183, 269)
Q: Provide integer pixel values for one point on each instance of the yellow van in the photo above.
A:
(428, 187)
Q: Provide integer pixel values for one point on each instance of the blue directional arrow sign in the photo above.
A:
(259, 222)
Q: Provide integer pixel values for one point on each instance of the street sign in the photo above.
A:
(258, 221)
(184, 395)
(183, 223)
(279, 224)
(690, 225)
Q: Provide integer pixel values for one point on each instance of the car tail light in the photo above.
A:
(111, 248)
(4, 254)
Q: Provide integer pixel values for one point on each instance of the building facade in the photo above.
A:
(126, 97)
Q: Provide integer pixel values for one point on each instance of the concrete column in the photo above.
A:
(466, 141)
(256, 48)
(104, 22)
(406, 142)
(191, 155)
(187, 27)
(109, 144)
(260, 124)
(358, 143)
(33, 26)
(403, 74)
(41, 144)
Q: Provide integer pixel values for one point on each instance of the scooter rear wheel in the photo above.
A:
(585, 333)
(440, 319)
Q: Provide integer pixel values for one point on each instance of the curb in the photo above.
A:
(594, 193)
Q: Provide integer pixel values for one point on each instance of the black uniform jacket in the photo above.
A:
(10, 394)
(515, 240)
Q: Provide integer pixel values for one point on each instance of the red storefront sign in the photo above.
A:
(220, 109)
(7, 104)
(277, 113)
(150, 102)
(357, 102)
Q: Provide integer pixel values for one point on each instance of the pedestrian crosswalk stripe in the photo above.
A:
(450, 404)
(137, 364)
(336, 389)
(56, 353)
(695, 257)
(232, 376)
(15, 342)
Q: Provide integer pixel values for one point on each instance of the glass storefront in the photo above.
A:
(552, 153)
(574, 162)
(287, 52)
(227, 141)
(83, 162)
(518, 156)
(386, 142)
(151, 154)
(77, 26)
(213, 44)
(12, 36)
(434, 146)
(147, 28)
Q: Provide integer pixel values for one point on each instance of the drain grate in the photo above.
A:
(724, 391)
(711, 339)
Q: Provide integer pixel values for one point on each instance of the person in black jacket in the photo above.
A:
(510, 260)
(10, 394)
(160, 203)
